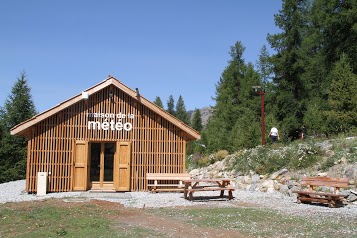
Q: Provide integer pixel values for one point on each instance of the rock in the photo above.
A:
(351, 182)
(255, 178)
(247, 179)
(277, 185)
(292, 183)
(351, 172)
(285, 179)
(278, 173)
(284, 190)
(352, 198)
(267, 186)
(194, 172)
(294, 188)
(345, 193)
(240, 185)
(324, 174)
(253, 187)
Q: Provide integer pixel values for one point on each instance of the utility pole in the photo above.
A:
(261, 93)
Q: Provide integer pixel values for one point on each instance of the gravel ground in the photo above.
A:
(15, 192)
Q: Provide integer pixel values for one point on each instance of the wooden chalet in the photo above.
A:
(106, 138)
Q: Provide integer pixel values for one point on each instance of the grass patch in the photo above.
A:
(263, 222)
(54, 218)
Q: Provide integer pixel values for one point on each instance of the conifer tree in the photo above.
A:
(265, 68)
(197, 120)
(158, 102)
(234, 96)
(18, 108)
(342, 99)
(289, 90)
(181, 112)
(171, 105)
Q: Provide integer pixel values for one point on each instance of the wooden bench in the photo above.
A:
(332, 198)
(166, 181)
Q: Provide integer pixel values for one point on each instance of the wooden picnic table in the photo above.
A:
(217, 184)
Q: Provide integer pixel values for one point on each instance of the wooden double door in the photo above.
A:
(102, 166)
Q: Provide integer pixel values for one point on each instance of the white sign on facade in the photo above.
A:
(110, 121)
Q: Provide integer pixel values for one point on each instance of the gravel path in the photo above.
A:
(15, 192)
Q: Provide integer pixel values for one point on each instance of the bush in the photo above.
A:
(198, 160)
(220, 155)
(328, 163)
(203, 161)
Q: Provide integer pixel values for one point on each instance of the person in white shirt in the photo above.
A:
(274, 134)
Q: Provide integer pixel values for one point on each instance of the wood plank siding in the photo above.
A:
(156, 142)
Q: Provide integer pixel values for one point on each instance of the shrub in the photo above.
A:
(203, 161)
(198, 160)
(220, 155)
(328, 163)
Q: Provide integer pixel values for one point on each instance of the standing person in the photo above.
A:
(303, 132)
(274, 134)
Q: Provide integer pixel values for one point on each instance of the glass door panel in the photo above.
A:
(109, 151)
(95, 162)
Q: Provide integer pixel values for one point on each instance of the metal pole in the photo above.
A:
(263, 126)
(261, 93)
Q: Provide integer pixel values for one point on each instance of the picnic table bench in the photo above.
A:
(196, 185)
(332, 198)
(166, 181)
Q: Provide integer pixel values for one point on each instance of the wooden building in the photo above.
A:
(106, 138)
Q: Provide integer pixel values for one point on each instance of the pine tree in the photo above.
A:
(181, 112)
(158, 102)
(331, 31)
(197, 120)
(288, 70)
(18, 108)
(336, 21)
(342, 99)
(264, 65)
(171, 105)
(234, 97)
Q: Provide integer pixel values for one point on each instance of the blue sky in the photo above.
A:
(162, 47)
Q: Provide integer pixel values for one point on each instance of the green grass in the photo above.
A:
(52, 220)
(264, 222)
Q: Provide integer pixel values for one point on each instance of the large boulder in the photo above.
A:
(352, 197)
(351, 172)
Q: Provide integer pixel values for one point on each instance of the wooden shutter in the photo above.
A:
(122, 169)
(80, 166)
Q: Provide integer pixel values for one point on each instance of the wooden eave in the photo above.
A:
(23, 128)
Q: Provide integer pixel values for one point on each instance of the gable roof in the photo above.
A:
(22, 128)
